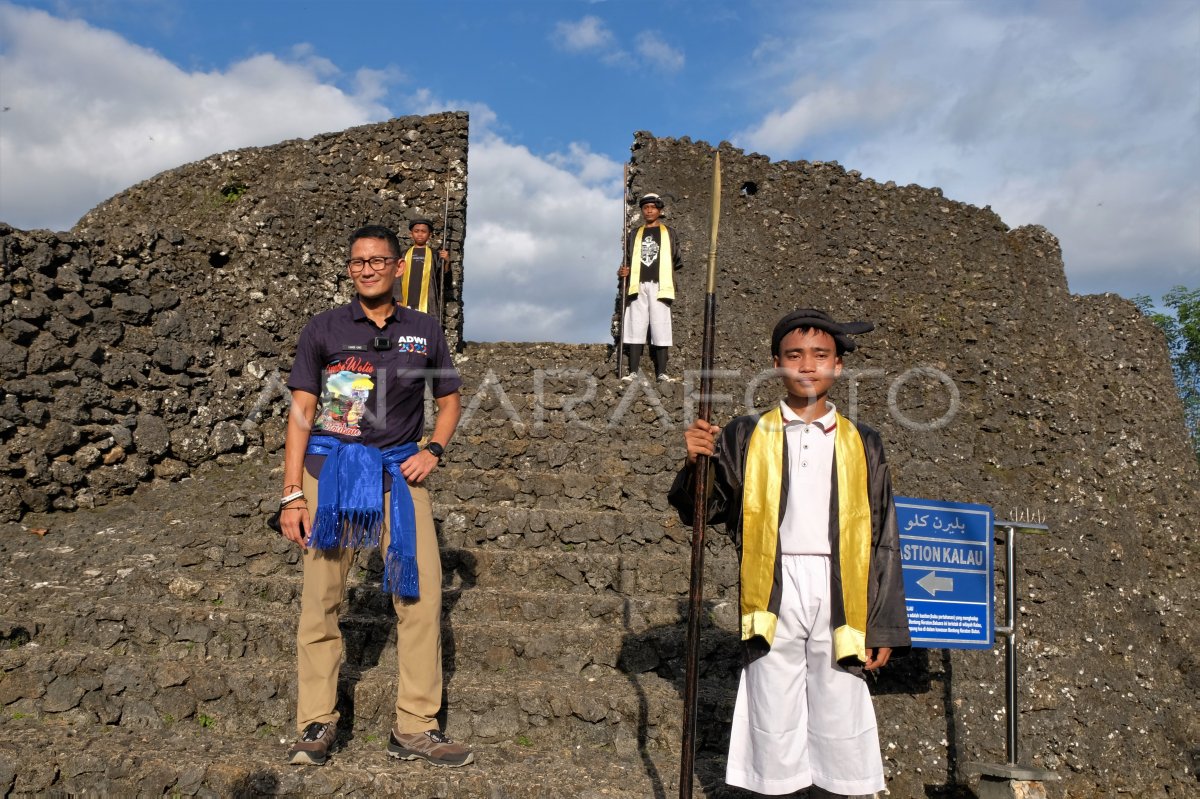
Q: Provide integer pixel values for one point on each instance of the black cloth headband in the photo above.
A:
(811, 317)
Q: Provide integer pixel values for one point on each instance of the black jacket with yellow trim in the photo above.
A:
(652, 275)
(887, 616)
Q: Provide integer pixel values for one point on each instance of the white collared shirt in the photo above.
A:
(805, 526)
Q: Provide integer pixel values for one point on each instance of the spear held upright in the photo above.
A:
(692, 655)
(441, 276)
(624, 282)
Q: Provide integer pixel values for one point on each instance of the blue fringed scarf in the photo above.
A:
(350, 507)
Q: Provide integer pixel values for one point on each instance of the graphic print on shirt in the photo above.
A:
(344, 396)
(650, 249)
(414, 344)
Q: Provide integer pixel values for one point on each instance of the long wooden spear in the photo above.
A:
(624, 283)
(700, 517)
(441, 274)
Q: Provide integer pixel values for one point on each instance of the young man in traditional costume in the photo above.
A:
(417, 288)
(806, 496)
(652, 256)
(353, 475)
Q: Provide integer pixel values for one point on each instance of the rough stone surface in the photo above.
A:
(170, 312)
(146, 641)
(990, 383)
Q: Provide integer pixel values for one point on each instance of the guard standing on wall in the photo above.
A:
(416, 288)
(652, 257)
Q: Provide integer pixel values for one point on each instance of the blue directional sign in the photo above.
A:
(946, 551)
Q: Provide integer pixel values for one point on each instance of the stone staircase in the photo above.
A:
(148, 645)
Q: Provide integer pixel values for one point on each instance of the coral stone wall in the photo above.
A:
(990, 383)
(157, 334)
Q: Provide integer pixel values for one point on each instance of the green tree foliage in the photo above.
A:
(1182, 329)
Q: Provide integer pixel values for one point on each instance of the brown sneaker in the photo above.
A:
(314, 745)
(430, 745)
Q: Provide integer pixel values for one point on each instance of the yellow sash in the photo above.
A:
(761, 493)
(666, 270)
(427, 268)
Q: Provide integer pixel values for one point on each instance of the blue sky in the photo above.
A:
(1083, 116)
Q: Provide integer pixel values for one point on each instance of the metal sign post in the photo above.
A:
(1009, 780)
(949, 579)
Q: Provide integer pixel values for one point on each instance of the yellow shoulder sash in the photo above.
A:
(854, 534)
(761, 490)
(666, 267)
(761, 494)
(427, 268)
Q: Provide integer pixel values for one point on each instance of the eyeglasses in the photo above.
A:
(377, 263)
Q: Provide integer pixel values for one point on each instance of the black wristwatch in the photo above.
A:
(436, 449)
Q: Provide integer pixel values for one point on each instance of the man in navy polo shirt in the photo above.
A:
(353, 474)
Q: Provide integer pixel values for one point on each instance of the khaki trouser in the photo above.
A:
(418, 627)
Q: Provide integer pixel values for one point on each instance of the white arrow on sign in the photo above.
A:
(932, 583)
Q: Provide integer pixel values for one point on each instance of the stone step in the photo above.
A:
(581, 382)
(639, 410)
(576, 555)
(594, 487)
(570, 386)
(538, 528)
(602, 399)
(189, 760)
(229, 591)
(641, 472)
(532, 522)
(523, 357)
(571, 646)
(86, 686)
(586, 572)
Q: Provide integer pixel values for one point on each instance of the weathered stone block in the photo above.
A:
(61, 695)
(172, 356)
(225, 437)
(131, 308)
(12, 359)
(190, 445)
(17, 685)
(151, 436)
(139, 713)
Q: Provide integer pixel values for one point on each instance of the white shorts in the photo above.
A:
(646, 311)
(801, 719)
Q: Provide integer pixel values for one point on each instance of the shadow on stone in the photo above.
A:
(458, 575)
(259, 783)
(660, 651)
(951, 788)
(909, 674)
(363, 641)
(368, 625)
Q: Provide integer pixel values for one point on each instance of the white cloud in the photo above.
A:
(90, 114)
(1079, 117)
(591, 35)
(652, 48)
(824, 110)
(586, 35)
(591, 168)
(423, 101)
(541, 264)
(539, 261)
